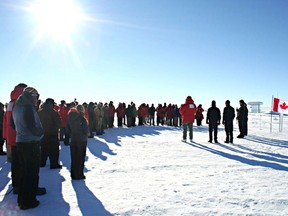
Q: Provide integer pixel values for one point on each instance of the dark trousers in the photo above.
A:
(133, 121)
(62, 133)
(29, 163)
(243, 128)
(50, 148)
(199, 122)
(140, 120)
(229, 131)
(119, 121)
(66, 138)
(110, 121)
(129, 121)
(160, 120)
(190, 127)
(213, 128)
(152, 119)
(14, 167)
(2, 141)
(78, 153)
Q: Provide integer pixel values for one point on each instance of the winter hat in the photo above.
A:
(31, 91)
(241, 101)
(80, 108)
(49, 101)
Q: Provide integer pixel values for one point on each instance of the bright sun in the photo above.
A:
(56, 18)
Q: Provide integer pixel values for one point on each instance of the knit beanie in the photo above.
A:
(80, 108)
(31, 91)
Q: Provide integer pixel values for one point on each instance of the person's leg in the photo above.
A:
(241, 129)
(210, 133)
(73, 154)
(245, 128)
(44, 151)
(227, 133)
(2, 141)
(216, 133)
(53, 153)
(231, 132)
(30, 157)
(184, 131)
(190, 131)
(82, 156)
(14, 169)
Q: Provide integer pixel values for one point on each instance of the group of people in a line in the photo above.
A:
(189, 112)
(33, 131)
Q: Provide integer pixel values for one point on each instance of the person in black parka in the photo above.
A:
(51, 122)
(228, 117)
(78, 128)
(242, 117)
(213, 120)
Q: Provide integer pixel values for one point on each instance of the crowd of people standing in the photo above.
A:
(33, 131)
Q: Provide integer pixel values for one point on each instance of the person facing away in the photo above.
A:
(242, 117)
(151, 112)
(29, 132)
(213, 120)
(2, 140)
(187, 112)
(228, 117)
(78, 128)
(51, 122)
(199, 115)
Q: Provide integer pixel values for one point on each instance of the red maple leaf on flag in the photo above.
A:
(283, 106)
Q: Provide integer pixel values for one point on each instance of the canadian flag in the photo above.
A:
(280, 106)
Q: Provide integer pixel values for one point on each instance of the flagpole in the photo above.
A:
(271, 114)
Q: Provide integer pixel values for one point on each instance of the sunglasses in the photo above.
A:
(35, 95)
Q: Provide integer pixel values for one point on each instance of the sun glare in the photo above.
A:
(56, 18)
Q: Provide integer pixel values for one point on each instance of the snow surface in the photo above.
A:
(147, 170)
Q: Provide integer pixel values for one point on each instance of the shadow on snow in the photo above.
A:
(87, 202)
(241, 158)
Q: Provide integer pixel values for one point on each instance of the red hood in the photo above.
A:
(189, 100)
(16, 93)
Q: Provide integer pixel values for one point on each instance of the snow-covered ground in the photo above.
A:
(147, 170)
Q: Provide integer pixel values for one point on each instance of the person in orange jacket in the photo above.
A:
(187, 112)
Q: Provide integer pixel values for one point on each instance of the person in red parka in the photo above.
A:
(187, 112)
(63, 112)
(9, 134)
(199, 115)
(120, 110)
(2, 140)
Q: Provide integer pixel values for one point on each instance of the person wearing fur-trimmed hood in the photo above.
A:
(78, 128)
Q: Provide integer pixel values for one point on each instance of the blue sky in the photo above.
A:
(150, 51)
